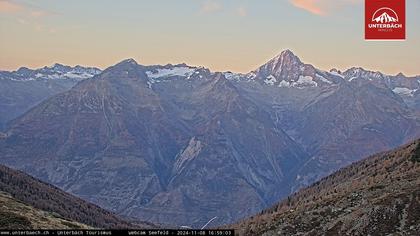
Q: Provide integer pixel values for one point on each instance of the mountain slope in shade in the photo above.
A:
(376, 196)
(234, 159)
(365, 119)
(43, 201)
(15, 215)
(359, 113)
(23, 89)
(157, 150)
(408, 88)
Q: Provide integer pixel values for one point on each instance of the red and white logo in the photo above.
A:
(385, 19)
(385, 15)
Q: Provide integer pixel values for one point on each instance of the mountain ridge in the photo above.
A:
(285, 53)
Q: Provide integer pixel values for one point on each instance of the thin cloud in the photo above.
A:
(13, 8)
(210, 6)
(7, 6)
(241, 11)
(322, 7)
(40, 13)
(27, 15)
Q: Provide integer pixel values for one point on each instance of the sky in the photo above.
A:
(223, 35)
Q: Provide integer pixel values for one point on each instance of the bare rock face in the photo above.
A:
(376, 196)
(188, 154)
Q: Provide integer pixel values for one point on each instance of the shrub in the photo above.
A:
(416, 154)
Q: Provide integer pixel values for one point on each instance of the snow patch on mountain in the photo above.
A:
(234, 76)
(305, 81)
(323, 79)
(284, 84)
(83, 75)
(336, 74)
(270, 80)
(404, 91)
(251, 76)
(352, 78)
(169, 72)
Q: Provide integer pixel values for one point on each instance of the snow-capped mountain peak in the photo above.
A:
(287, 57)
(287, 70)
(285, 60)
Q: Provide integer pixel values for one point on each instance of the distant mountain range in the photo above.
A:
(179, 145)
(22, 89)
(376, 196)
(54, 72)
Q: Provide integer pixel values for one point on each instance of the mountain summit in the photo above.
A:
(129, 61)
(287, 70)
(281, 65)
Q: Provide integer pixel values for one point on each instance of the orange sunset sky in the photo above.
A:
(223, 35)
